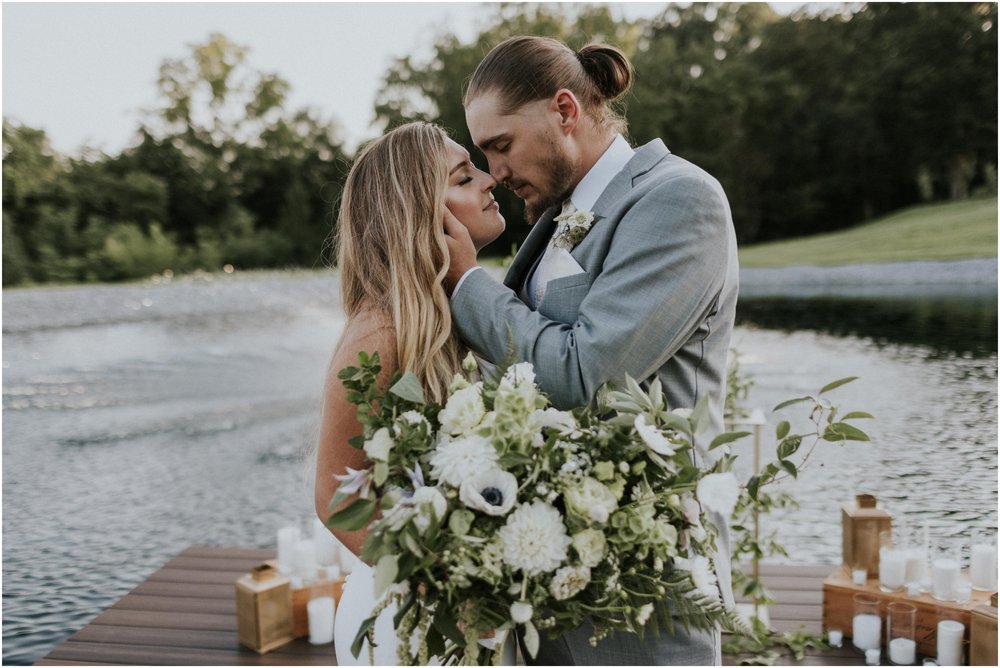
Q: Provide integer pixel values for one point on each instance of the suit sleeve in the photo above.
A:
(660, 279)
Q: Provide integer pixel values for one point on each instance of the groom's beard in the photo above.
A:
(561, 171)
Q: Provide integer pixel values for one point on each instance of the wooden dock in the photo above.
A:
(185, 614)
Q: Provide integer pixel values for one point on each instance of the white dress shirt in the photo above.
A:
(587, 191)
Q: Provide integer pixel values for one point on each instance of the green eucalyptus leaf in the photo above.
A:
(841, 431)
(790, 467)
(531, 639)
(362, 635)
(790, 402)
(354, 516)
(837, 383)
(385, 573)
(700, 417)
(782, 429)
(409, 388)
(727, 437)
(858, 415)
(381, 473)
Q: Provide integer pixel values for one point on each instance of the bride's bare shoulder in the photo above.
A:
(369, 331)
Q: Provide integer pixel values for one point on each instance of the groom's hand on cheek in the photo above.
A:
(461, 251)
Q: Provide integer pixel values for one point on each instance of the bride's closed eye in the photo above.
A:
(467, 179)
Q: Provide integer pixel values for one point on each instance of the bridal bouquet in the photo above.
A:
(496, 511)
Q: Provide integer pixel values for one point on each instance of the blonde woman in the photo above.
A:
(393, 259)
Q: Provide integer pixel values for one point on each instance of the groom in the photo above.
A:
(647, 288)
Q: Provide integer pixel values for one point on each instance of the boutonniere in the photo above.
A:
(576, 226)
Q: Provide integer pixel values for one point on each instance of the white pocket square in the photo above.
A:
(562, 264)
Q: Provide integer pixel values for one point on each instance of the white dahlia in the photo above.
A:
(464, 410)
(534, 538)
(455, 461)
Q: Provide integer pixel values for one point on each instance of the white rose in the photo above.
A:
(590, 545)
(464, 411)
(652, 437)
(569, 581)
(378, 446)
(518, 374)
(591, 499)
(719, 492)
(521, 612)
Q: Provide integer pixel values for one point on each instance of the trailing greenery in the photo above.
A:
(956, 230)
(812, 123)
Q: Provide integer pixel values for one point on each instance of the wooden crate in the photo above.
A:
(838, 608)
(983, 636)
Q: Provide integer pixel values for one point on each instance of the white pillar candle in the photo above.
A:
(320, 611)
(902, 651)
(325, 543)
(287, 539)
(835, 637)
(944, 577)
(949, 642)
(891, 568)
(867, 632)
(983, 567)
(305, 560)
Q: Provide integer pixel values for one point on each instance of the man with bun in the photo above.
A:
(647, 289)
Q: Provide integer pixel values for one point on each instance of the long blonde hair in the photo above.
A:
(392, 252)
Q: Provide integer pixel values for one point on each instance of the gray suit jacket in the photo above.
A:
(658, 297)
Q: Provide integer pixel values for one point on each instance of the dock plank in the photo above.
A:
(185, 614)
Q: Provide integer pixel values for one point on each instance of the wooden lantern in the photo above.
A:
(264, 609)
(862, 522)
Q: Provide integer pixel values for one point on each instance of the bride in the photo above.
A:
(393, 260)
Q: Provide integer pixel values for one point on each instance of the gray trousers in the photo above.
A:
(697, 648)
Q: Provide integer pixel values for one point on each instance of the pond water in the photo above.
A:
(141, 419)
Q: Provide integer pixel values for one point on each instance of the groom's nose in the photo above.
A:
(499, 171)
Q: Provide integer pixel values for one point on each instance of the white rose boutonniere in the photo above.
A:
(577, 224)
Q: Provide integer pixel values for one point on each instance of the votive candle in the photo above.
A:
(949, 642)
(320, 611)
(872, 656)
(305, 560)
(859, 576)
(835, 637)
(325, 543)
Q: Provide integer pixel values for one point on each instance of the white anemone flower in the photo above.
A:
(534, 538)
(493, 492)
(458, 460)
(719, 492)
(653, 437)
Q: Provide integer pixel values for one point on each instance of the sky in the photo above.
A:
(84, 72)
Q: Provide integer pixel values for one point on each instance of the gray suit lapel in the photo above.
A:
(646, 157)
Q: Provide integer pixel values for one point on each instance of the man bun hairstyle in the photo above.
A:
(529, 68)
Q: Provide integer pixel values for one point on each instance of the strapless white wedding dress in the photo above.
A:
(356, 605)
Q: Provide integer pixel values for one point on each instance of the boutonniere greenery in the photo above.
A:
(573, 228)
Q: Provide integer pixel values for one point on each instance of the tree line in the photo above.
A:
(811, 122)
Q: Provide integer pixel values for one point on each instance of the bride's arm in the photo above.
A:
(339, 422)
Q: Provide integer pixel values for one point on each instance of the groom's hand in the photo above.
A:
(461, 251)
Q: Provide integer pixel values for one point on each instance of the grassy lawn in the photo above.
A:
(952, 231)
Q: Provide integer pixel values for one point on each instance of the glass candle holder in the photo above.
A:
(867, 625)
(901, 623)
(983, 560)
(892, 564)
